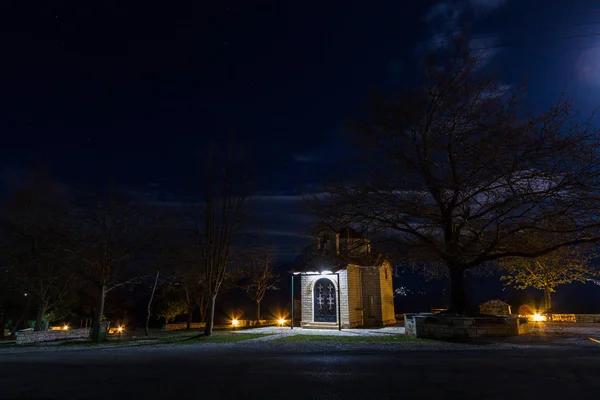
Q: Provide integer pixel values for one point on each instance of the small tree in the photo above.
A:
(562, 266)
(259, 276)
(170, 308)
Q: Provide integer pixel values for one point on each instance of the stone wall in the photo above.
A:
(435, 327)
(242, 323)
(355, 306)
(371, 291)
(495, 307)
(27, 337)
(388, 314)
(587, 318)
(181, 326)
(307, 286)
(367, 297)
(577, 318)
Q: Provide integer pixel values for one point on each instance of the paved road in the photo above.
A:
(303, 371)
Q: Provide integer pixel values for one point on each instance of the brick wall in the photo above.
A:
(27, 337)
(430, 326)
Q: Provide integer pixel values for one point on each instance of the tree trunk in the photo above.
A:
(2, 325)
(191, 306)
(39, 319)
(210, 315)
(547, 299)
(258, 311)
(458, 296)
(190, 315)
(202, 307)
(100, 312)
(149, 313)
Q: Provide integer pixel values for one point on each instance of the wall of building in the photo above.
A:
(388, 313)
(355, 302)
(307, 285)
(371, 291)
(26, 337)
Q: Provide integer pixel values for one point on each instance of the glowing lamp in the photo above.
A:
(120, 329)
(235, 322)
(538, 318)
(281, 321)
(66, 327)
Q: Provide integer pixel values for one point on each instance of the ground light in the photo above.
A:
(120, 329)
(281, 321)
(235, 322)
(66, 327)
(538, 318)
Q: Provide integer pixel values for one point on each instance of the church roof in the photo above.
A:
(319, 261)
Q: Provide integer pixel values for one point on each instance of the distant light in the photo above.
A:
(120, 329)
(281, 321)
(66, 327)
(235, 322)
(538, 318)
(326, 272)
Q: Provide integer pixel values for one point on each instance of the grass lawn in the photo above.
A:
(347, 339)
(221, 337)
(182, 337)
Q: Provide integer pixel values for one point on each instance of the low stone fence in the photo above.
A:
(448, 327)
(577, 318)
(586, 318)
(182, 326)
(242, 323)
(26, 337)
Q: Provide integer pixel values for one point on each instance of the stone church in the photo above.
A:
(343, 284)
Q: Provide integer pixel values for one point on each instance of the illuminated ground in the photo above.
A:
(307, 370)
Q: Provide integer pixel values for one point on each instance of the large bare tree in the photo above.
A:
(110, 236)
(458, 172)
(218, 220)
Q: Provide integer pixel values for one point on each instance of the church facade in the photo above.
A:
(344, 285)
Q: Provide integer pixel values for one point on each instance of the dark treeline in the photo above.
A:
(80, 256)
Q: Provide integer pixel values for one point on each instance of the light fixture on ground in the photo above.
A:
(65, 327)
(281, 321)
(235, 322)
(539, 318)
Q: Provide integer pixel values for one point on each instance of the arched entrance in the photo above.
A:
(325, 302)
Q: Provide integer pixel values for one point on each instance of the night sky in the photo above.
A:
(136, 90)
